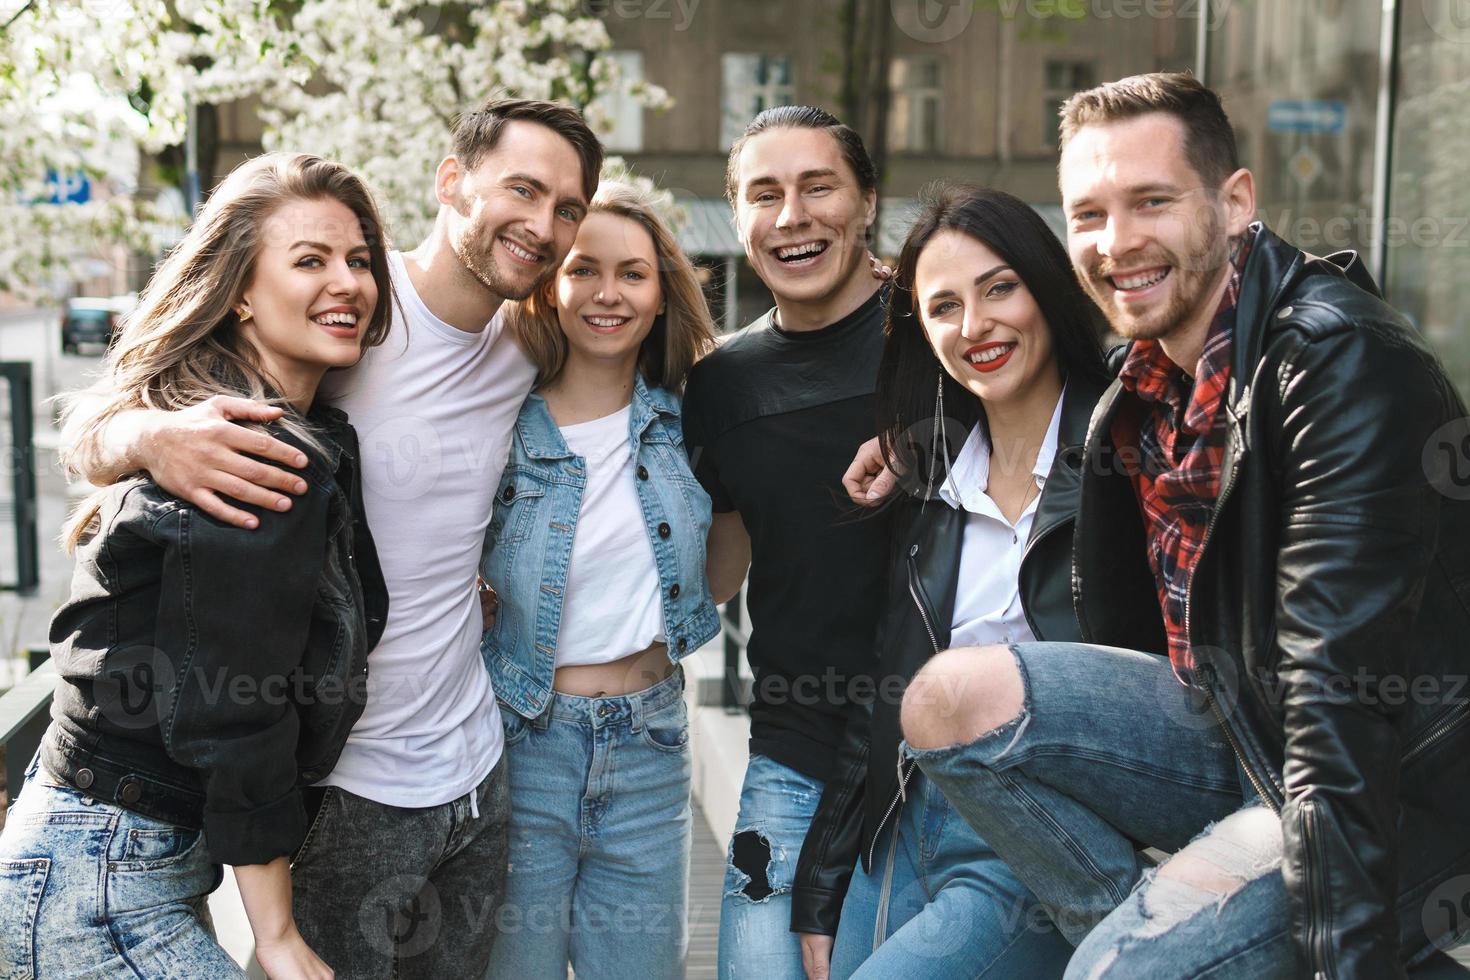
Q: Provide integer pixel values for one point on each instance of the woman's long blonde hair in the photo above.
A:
(182, 344)
(681, 335)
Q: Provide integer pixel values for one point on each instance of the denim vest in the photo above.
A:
(529, 545)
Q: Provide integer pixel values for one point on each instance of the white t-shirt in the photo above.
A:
(987, 604)
(613, 602)
(434, 408)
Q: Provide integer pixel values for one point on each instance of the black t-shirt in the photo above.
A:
(771, 420)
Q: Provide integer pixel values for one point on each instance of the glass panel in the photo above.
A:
(1300, 82)
(1427, 238)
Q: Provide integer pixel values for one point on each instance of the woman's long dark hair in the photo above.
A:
(909, 368)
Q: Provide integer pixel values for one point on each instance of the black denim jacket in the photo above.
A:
(208, 672)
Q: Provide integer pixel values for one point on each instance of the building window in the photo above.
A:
(622, 113)
(752, 82)
(1063, 80)
(913, 120)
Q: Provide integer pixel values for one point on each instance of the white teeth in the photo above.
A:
(798, 251)
(519, 252)
(991, 353)
(607, 321)
(1139, 282)
(344, 319)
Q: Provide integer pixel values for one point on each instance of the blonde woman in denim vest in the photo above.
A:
(597, 549)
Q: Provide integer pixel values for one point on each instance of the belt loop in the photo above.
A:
(475, 803)
(635, 711)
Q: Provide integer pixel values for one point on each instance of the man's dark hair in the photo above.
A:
(477, 131)
(1012, 229)
(1209, 140)
(806, 117)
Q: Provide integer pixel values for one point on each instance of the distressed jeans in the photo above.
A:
(384, 891)
(776, 808)
(1110, 753)
(92, 889)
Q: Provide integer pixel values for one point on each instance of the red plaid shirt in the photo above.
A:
(1171, 440)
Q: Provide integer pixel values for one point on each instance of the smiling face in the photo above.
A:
(1150, 242)
(607, 292)
(311, 293)
(982, 322)
(513, 216)
(803, 217)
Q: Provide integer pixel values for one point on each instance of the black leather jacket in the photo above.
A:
(863, 796)
(1330, 609)
(208, 672)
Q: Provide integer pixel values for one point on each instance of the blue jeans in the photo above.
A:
(1110, 754)
(92, 889)
(599, 838)
(776, 808)
(939, 903)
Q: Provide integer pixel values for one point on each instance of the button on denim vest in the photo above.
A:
(529, 545)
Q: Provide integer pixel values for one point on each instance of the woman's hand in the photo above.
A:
(868, 481)
(489, 601)
(880, 271)
(816, 955)
(289, 958)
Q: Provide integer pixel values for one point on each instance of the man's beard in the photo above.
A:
(1196, 276)
(480, 261)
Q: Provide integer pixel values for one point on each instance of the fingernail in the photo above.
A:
(872, 494)
(300, 461)
(282, 503)
(300, 486)
(250, 523)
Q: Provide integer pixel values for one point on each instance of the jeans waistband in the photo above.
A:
(619, 709)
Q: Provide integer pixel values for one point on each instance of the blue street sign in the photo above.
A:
(71, 188)
(1327, 116)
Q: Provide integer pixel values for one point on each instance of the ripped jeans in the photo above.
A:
(1108, 756)
(776, 808)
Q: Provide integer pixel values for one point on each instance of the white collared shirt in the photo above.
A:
(987, 606)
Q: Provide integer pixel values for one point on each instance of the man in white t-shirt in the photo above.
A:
(402, 868)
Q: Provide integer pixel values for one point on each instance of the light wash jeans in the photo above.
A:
(1110, 754)
(600, 824)
(776, 808)
(940, 904)
(89, 889)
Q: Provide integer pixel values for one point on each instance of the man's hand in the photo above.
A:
(816, 955)
(868, 481)
(489, 602)
(880, 271)
(198, 454)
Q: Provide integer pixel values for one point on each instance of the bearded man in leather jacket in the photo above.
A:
(1280, 465)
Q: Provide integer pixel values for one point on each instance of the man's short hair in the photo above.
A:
(477, 131)
(805, 117)
(1209, 139)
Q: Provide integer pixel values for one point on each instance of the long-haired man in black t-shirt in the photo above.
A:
(771, 421)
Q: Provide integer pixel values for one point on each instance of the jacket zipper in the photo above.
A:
(1235, 746)
(905, 771)
(1317, 927)
(1451, 720)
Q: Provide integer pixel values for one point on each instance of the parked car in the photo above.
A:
(91, 320)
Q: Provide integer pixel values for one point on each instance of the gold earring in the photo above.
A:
(243, 314)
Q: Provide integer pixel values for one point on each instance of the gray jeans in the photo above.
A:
(382, 891)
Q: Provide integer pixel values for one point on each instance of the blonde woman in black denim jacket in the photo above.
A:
(208, 672)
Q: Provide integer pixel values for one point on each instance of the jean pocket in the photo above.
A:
(21, 885)
(156, 847)
(516, 727)
(668, 728)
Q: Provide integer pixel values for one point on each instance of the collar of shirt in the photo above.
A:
(964, 485)
(1149, 373)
